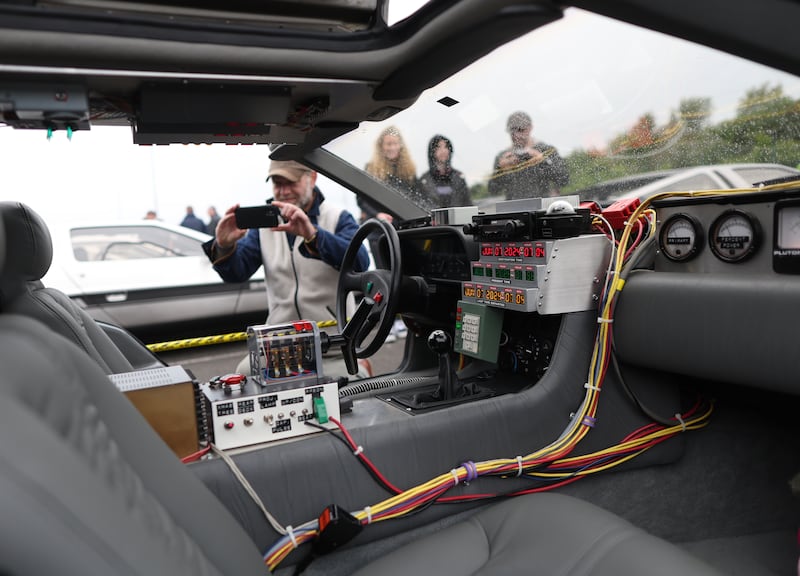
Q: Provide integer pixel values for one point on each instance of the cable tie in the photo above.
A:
(290, 532)
(602, 320)
(368, 512)
(680, 419)
(472, 471)
(358, 451)
(455, 476)
(589, 421)
(590, 387)
(519, 466)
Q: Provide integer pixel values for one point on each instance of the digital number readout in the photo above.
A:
(495, 295)
(513, 250)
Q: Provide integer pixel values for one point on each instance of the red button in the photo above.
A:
(378, 297)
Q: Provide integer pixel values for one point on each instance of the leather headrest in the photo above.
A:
(29, 248)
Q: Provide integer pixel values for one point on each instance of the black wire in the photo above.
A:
(374, 476)
(634, 398)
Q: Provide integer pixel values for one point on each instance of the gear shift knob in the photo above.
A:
(439, 342)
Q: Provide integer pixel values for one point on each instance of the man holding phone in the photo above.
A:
(301, 256)
(529, 168)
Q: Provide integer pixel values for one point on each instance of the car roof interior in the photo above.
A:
(228, 58)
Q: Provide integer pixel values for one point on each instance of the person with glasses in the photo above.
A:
(301, 256)
(528, 168)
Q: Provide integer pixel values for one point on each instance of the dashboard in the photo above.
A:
(756, 233)
(720, 301)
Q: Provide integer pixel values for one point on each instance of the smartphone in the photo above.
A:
(266, 216)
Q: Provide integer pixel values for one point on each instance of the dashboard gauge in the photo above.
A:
(734, 236)
(680, 237)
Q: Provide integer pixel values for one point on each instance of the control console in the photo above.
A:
(544, 260)
(286, 389)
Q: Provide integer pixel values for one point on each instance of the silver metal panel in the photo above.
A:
(574, 275)
(457, 216)
(705, 261)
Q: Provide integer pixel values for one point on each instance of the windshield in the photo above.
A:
(586, 100)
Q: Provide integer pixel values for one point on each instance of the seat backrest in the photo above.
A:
(86, 487)
(29, 255)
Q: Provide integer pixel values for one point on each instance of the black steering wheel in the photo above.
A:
(380, 288)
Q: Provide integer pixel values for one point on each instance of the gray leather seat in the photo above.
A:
(22, 292)
(540, 534)
(86, 486)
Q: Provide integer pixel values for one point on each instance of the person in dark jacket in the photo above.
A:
(442, 183)
(528, 169)
(192, 221)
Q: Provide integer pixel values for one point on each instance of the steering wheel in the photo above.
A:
(381, 286)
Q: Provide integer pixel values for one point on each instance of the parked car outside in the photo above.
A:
(714, 177)
(152, 278)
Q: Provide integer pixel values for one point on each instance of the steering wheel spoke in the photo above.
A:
(381, 285)
(351, 281)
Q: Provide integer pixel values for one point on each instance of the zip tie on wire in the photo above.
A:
(368, 512)
(590, 387)
(589, 421)
(679, 419)
(290, 532)
(358, 451)
(455, 477)
(472, 471)
(601, 320)
(519, 466)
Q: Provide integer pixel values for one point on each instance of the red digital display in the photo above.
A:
(518, 251)
(513, 250)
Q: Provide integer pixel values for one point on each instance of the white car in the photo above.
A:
(713, 177)
(152, 278)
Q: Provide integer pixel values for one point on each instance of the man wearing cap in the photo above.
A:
(528, 169)
(301, 256)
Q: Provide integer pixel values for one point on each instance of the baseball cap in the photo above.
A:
(518, 120)
(288, 169)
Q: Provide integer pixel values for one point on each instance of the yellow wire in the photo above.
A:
(211, 340)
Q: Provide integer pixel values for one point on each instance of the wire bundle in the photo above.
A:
(551, 466)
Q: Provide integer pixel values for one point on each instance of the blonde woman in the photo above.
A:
(392, 163)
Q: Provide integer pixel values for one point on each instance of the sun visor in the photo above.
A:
(219, 113)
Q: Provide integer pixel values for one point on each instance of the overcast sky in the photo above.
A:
(583, 79)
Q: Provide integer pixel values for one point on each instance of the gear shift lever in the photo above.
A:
(440, 342)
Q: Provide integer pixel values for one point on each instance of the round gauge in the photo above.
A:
(680, 237)
(734, 236)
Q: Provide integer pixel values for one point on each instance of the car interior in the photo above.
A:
(584, 390)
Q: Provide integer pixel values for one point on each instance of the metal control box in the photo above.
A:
(553, 277)
(254, 414)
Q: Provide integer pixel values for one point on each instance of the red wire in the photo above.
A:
(363, 457)
(195, 455)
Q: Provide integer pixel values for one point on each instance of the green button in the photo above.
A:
(369, 287)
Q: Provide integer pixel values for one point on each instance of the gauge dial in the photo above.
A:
(680, 238)
(734, 236)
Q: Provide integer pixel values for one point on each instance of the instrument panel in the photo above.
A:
(757, 232)
(442, 253)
